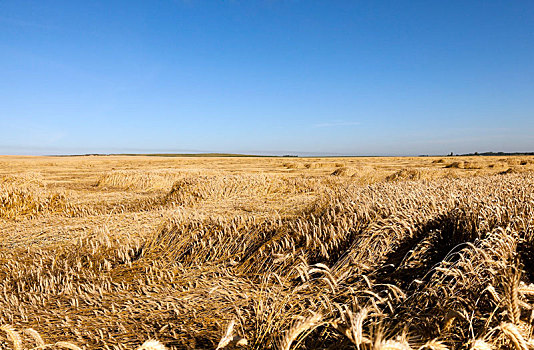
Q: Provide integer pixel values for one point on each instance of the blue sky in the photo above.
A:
(271, 76)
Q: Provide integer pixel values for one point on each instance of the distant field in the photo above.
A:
(267, 252)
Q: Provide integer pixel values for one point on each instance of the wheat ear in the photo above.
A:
(298, 328)
(511, 332)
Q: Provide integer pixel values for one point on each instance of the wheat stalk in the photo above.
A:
(152, 345)
(13, 335)
(298, 328)
(511, 332)
(434, 344)
(35, 336)
(480, 344)
(227, 338)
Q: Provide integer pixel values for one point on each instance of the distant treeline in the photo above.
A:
(499, 154)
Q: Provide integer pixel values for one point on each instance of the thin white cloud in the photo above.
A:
(334, 124)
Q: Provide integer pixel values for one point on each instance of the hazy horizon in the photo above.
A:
(279, 153)
(267, 77)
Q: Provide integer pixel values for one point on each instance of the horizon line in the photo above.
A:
(268, 154)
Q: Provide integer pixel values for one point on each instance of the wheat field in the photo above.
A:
(118, 252)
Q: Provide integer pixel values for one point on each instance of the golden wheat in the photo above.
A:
(294, 257)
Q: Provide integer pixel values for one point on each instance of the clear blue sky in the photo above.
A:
(271, 76)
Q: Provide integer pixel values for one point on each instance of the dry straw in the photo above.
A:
(294, 261)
